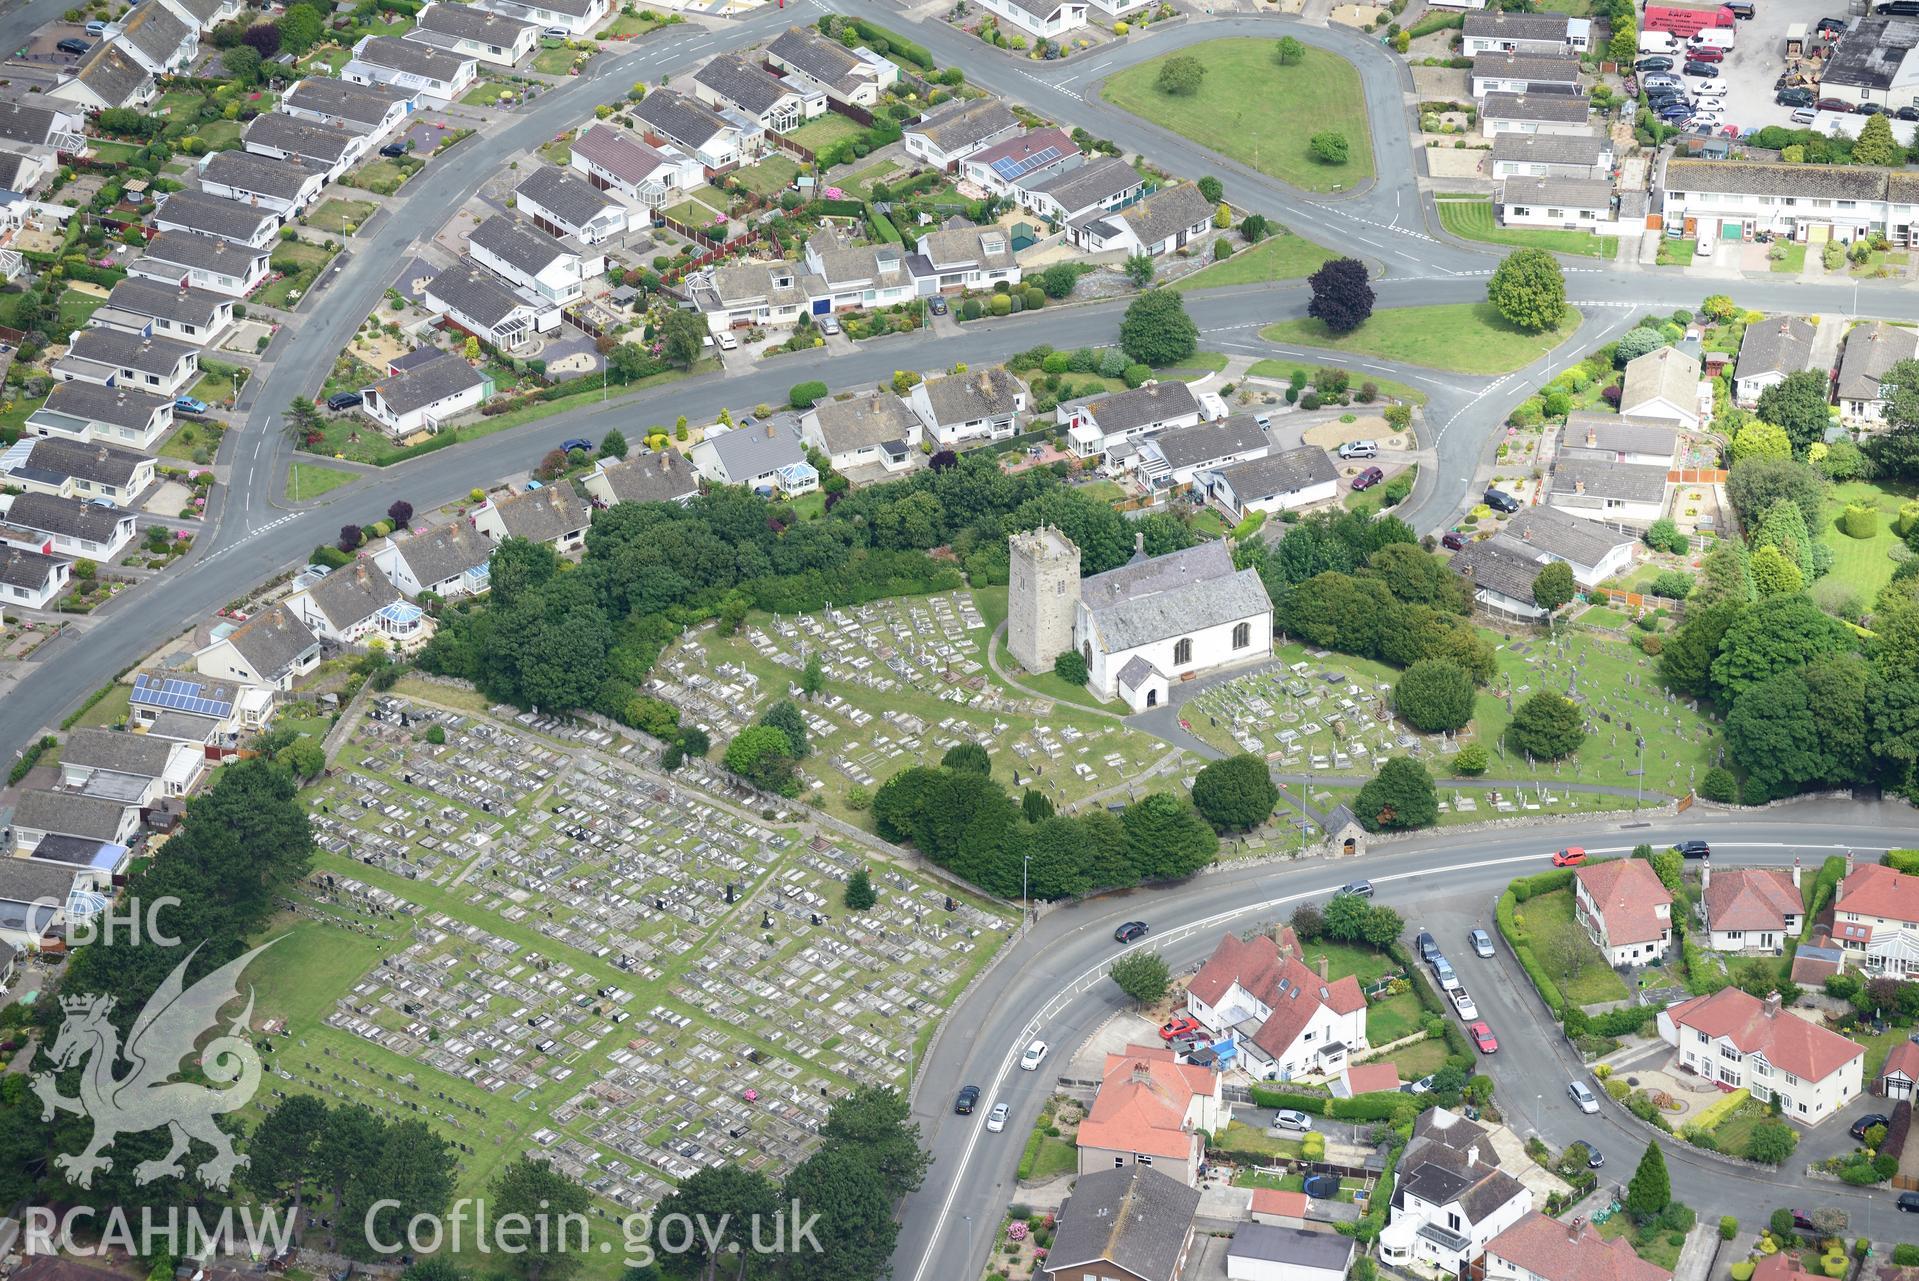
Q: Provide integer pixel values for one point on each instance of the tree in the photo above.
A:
(763, 756)
(1434, 695)
(1547, 726)
(727, 1198)
(263, 37)
(1756, 484)
(1401, 796)
(1554, 586)
(785, 717)
(1529, 289)
(302, 419)
(300, 26)
(968, 757)
(1166, 839)
(1472, 760)
(1650, 1191)
(1236, 794)
(875, 1121)
(813, 676)
(859, 895)
(1035, 806)
(1329, 147)
(1760, 440)
(1070, 667)
(304, 757)
(400, 513)
(411, 1174)
(1181, 76)
(1875, 144)
(1157, 331)
(242, 64)
(1624, 45)
(1254, 228)
(1142, 975)
(1777, 634)
(1798, 404)
(855, 1226)
(1774, 573)
(1342, 295)
(1343, 919)
(613, 444)
(1139, 269)
(807, 394)
(283, 1153)
(1289, 51)
(682, 337)
(1670, 866)
(351, 536)
(533, 1188)
(1212, 188)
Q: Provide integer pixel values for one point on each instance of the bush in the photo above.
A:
(1673, 584)
(807, 394)
(1728, 1227)
(1070, 667)
(1859, 520)
(1472, 760)
(1719, 785)
(1906, 1256)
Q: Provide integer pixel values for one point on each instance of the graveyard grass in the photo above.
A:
(991, 602)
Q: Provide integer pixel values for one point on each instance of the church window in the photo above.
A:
(1182, 651)
(1242, 635)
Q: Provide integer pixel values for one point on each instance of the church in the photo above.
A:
(1153, 621)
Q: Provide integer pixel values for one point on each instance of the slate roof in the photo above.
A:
(567, 197)
(978, 393)
(1617, 434)
(1533, 68)
(470, 22)
(117, 752)
(362, 104)
(618, 152)
(1560, 108)
(651, 477)
(1627, 482)
(1548, 148)
(1516, 26)
(1171, 595)
(824, 60)
(1126, 410)
(426, 383)
(1195, 446)
(28, 880)
(544, 514)
(475, 293)
(1752, 898)
(844, 264)
(112, 74)
(444, 551)
(309, 138)
(1133, 1217)
(1558, 193)
(271, 640)
(747, 452)
(69, 814)
(1286, 472)
(205, 253)
(965, 123)
(1498, 569)
(1665, 373)
(519, 244)
(12, 165)
(676, 116)
(116, 405)
(1626, 891)
(1775, 345)
(1441, 1175)
(212, 215)
(1027, 146)
(155, 32)
(1555, 1251)
(71, 517)
(27, 122)
(31, 570)
(742, 83)
(1549, 530)
(864, 421)
(1871, 350)
(1295, 1247)
(1752, 177)
(124, 350)
(411, 57)
(737, 283)
(1167, 212)
(102, 464)
(1084, 186)
(352, 594)
(146, 297)
(1792, 1044)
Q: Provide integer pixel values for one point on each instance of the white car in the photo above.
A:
(1359, 449)
(996, 1119)
(1030, 1060)
(1464, 1004)
(1583, 1097)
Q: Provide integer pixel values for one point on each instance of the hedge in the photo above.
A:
(73, 718)
(885, 228)
(1902, 860)
(1509, 929)
(1435, 22)
(843, 208)
(1824, 887)
(1367, 1107)
(1709, 1117)
(1625, 1021)
(913, 53)
(30, 758)
(806, 395)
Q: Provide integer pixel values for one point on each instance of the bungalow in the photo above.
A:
(210, 714)
(1876, 920)
(1065, 192)
(1564, 204)
(482, 304)
(158, 39)
(963, 257)
(434, 77)
(261, 182)
(744, 294)
(1663, 383)
(150, 308)
(1150, 1109)
(30, 579)
(209, 215)
(1529, 113)
(662, 477)
(1117, 9)
(205, 14)
(551, 514)
(1618, 438)
(42, 899)
(70, 526)
(330, 149)
(43, 125)
(759, 457)
(1158, 225)
(1001, 167)
(112, 763)
(959, 409)
(855, 77)
(1537, 1248)
(1094, 426)
(1285, 1018)
(718, 142)
(776, 105)
(614, 160)
(68, 469)
(1595, 551)
(87, 413)
(1285, 481)
(575, 17)
(1772, 349)
(953, 133)
(1526, 33)
(353, 604)
(369, 109)
(107, 77)
(862, 431)
(115, 358)
(534, 261)
(1040, 19)
(45, 814)
(1598, 490)
(1738, 1041)
(562, 205)
(1451, 1199)
(1175, 459)
(1899, 1075)
(1624, 910)
(1129, 1223)
(422, 397)
(273, 649)
(841, 277)
(187, 261)
(1552, 155)
(473, 32)
(1751, 909)
(1510, 73)
(1501, 578)
(1871, 349)
(450, 560)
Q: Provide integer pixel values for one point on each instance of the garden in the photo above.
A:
(298, 264)
(1472, 218)
(385, 175)
(1468, 338)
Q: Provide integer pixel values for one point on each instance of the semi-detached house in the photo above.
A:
(1739, 1041)
(1537, 1248)
(1876, 920)
(93, 413)
(1624, 910)
(434, 76)
(534, 261)
(1150, 1109)
(855, 77)
(1285, 1019)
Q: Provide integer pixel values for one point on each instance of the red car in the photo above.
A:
(1706, 53)
(1452, 540)
(1483, 1037)
(1368, 478)
(1178, 1026)
(1834, 104)
(1571, 856)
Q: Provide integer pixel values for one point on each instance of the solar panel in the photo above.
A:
(179, 696)
(1010, 168)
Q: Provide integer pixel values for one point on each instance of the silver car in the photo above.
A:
(996, 1119)
(1482, 944)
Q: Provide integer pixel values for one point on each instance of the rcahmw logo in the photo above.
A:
(259, 1232)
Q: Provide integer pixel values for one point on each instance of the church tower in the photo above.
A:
(1042, 597)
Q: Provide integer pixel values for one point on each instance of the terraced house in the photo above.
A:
(1813, 203)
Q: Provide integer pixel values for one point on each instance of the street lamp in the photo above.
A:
(1639, 796)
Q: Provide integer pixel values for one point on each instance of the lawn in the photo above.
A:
(1366, 964)
(829, 128)
(1241, 1137)
(384, 176)
(1394, 1017)
(111, 710)
(299, 264)
(487, 93)
(692, 213)
(1275, 258)
(770, 176)
(991, 603)
(339, 216)
(555, 61)
(630, 24)
(1250, 109)
(1552, 913)
(1676, 253)
(187, 439)
(112, 153)
(1047, 1157)
(1467, 337)
(1473, 220)
(863, 180)
(1864, 565)
(305, 482)
(1420, 1059)
(1795, 260)
(75, 307)
(1655, 1249)
(220, 135)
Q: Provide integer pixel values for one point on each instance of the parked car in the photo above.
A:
(96, 28)
(937, 305)
(394, 150)
(1177, 1026)
(1594, 1157)
(1443, 973)
(1483, 1037)
(1655, 63)
(1463, 1002)
(1359, 449)
(1263, 421)
(1452, 540)
(1368, 478)
(1288, 1119)
(342, 400)
(1794, 97)
(73, 45)
(1706, 53)
(968, 1100)
(1129, 931)
(1424, 1085)
(1500, 501)
(556, 33)
(1362, 888)
(1694, 849)
(828, 325)
(1482, 944)
(1909, 1202)
(1583, 1098)
(1571, 856)
(1035, 1054)
(1899, 8)
(1702, 69)
(727, 341)
(1838, 104)
(1425, 946)
(189, 405)
(1834, 26)
(1906, 113)
(1804, 116)
(996, 1119)
(1866, 1122)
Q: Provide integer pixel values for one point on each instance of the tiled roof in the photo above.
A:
(102, 464)
(271, 640)
(1555, 1251)
(444, 551)
(1665, 373)
(1167, 212)
(426, 383)
(27, 122)
(744, 84)
(965, 123)
(1252, 964)
(676, 116)
(1751, 898)
(112, 74)
(205, 253)
(362, 104)
(863, 421)
(70, 517)
(155, 32)
(353, 594)
(1516, 26)
(1903, 1061)
(1442, 1175)
(1873, 890)
(212, 215)
(618, 152)
(1172, 595)
(1084, 186)
(1498, 569)
(1626, 891)
(664, 476)
(1628, 482)
(121, 349)
(1296, 996)
(1561, 108)
(70, 814)
(522, 246)
(1372, 1078)
(1285, 472)
(1157, 402)
(567, 197)
(145, 297)
(1775, 345)
(1549, 530)
(117, 752)
(26, 569)
(1209, 442)
(1531, 68)
(977, 393)
(747, 452)
(1132, 1217)
(301, 137)
(1872, 349)
(1142, 1102)
(475, 292)
(1290, 1205)
(410, 57)
(544, 514)
(1028, 146)
(116, 405)
(1753, 1026)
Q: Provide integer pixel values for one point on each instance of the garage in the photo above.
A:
(1261, 1252)
(1732, 229)
(1899, 1078)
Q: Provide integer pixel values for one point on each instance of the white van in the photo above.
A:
(1657, 42)
(1714, 38)
(1705, 242)
(728, 342)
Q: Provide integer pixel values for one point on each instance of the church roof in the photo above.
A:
(1172, 595)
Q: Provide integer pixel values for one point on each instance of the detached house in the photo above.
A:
(1095, 426)
(1123, 1224)
(1596, 489)
(1736, 1040)
(1284, 1018)
(328, 148)
(353, 604)
(187, 261)
(614, 160)
(1545, 534)
(1040, 19)
(1158, 225)
(1663, 384)
(1751, 909)
(31, 579)
(954, 132)
(662, 477)
(1512, 73)
(431, 75)
(552, 514)
(1872, 349)
(841, 277)
(876, 428)
(718, 142)
(1500, 577)
(70, 526)
(743, 294)
(450, 560)
(1772, 349)
(261, 182)
(89, 413)
(107, 77)
(1451, 1199)
(1525, 33)
(115, 358)
(209, 714)
(562, 204)
(157, 39)
(423, 396)
(852, 76)
(1583, 204)
(1151, 1110)
(86, 822)
(960, 409)
(481, 303)
(1285, 481)
(1000, 168)
(209, 215)
(72, 469)
(1618, 438)
(1065, 193)
(768, 456)
(534, 261)
(469, 31)
(1541, 1249)
(963, 257)
(273, 649)
(1174, 459)
(575, 17)
(776, 105)
(368, 109)
(149, 308)
(1876, 920)
(1625, 910)
(116, 765)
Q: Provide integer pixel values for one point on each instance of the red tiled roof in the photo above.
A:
(1291, 1205)
(1142, 1102)
(1904, 1060)
(1812, 971)
(1299, 993)
(1782, 1266)
(1369, 1078)
(1559, 1252)
(1879, 891)
(1787, 1042)
(1752, 898)
(1251, 963)
(1026, 146)
(1626, 891)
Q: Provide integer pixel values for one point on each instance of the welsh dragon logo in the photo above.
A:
(146, 1097)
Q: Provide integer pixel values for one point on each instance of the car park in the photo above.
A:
(343, 400)
(1866, 1122)
(1359, 449)
(1482, 944)
(1654, 63)
(1177, 1026)
(1583, 1097)
(996, 1119)
(1362, 888)
(1288, 1119)
(968, 1100)
(1571, 856)
(1833, 104)
(1452, 540)
(1483, 1038)
(1500, 501)
(1368, 478)
(1463, 1002)
(1129, 931)
(1034, 1056)
(1694, 849)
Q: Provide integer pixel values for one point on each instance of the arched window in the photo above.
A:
(1242, 635)
(1086, 652)
(1182, 651)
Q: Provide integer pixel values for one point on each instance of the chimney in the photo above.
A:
(1705, 875)
(769, 431)
(1472, 1156)
(1579, 486)
(1142, 1073)
(1139, 544)
(1772, 1005)
(1574, 1230)
(1848, 875)
(1324, 964)
(1281, 936)
(1795, 871)
(1527, 533)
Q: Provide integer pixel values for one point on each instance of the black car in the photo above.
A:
(1653, 64)
(1426, 945)
(1909, 1202)
(1866, 1122)
(1793, 97)
(577, 442)
(1694, 849)
(1500, 501)
(968, 1100)
(342, 400)
(1129, 931)
(937, 306)
(1899, 8)
(1871, 109)
(73, 45)
(393, 149)
(1594, 1158)
(1704, 70)
(1906, 113)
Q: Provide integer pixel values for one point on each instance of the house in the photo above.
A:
(27, 174)
(31, 579)
(662, 477)
(534, 261)
(1663, 383)
(450, 560)
(1595, 551)
(128, 362)
(1618, 438)
(1873, 62)
(753, 456)
(1529, 113)
(1514, 73)
(874, 428)
(205, 14)
(952, 133)
(188, 261)
(551, 514)
(368, 109)
(1501, 576)
(42, 124)
(1113, 10)
(44, 814)
(1128, 1223)
(158, 39)
(855, 77)
(70, 526)
(1564, 204)
(1743, 197)
(745, 294)
(107, 77)
(1598, 490)
(469, 31)
(355, 603)
(1872, 348)
(1738, 1041)
(841, 277)
(1040, 19)
(561, 205)
(113, 764)
(1065, 192)
(1876, 920)
(776, 105)
(1095, 426)
(43, 898)
(1551, 155)
(434, 77)
(1365, 1078)
(1450, 1199)
(649, 177)
(575, 17)
(1002, 167)
(90, 413)
(481, 303)
(1174, 459)
(1285, 481)
(1751, 909)
(1541, 1249)
(1772, 349)
(962, 257)
(1624, 910)
(329, 148)
(273, 649)
(1524, 33)
(718, 142)
(210, 714)
(1262, 1253)
(1151, 1109)
(150, 308)
(70, 469)
(1158, 225)
(209, 215)
(1285, 1017)
(423, 396)
(1899, 1075)
(960, 409)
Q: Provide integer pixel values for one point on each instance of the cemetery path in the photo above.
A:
(1157, 768)
(999, 670)
(1517, 784)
